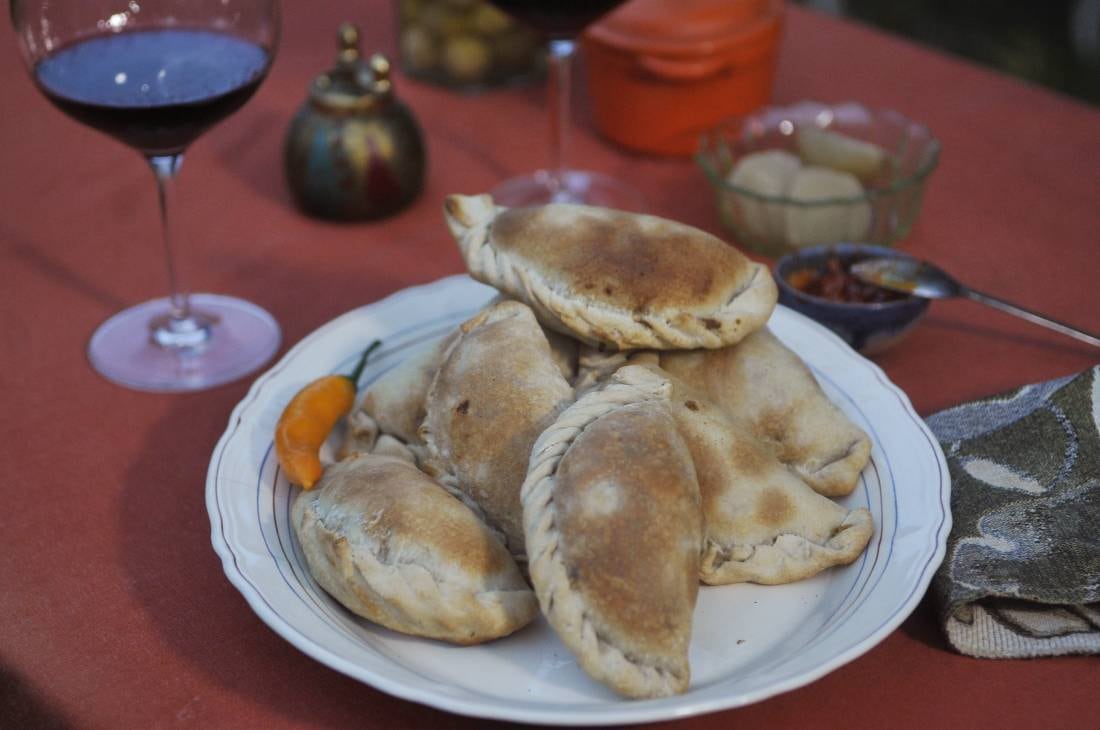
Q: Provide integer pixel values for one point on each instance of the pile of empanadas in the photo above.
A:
(616, 427)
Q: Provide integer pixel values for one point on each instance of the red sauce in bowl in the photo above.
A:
(836, 283)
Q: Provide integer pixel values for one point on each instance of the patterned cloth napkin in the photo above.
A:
(1022, 573)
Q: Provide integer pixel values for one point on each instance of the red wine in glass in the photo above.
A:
(156, 90)
(562, 21)
(156, 75)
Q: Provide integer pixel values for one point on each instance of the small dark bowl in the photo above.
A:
(868, 328)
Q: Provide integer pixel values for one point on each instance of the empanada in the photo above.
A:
(762, 382)
(495, 391)
(606, 276)
(392, 546)
(394, 403)
(614, 529)
(763, 524)
(396, 400)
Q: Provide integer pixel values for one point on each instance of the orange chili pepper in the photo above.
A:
(308, 419)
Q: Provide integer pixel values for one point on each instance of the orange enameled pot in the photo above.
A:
(660, 72)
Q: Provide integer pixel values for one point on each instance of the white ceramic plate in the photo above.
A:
(749, 642)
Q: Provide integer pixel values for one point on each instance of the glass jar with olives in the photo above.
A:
(466, 44)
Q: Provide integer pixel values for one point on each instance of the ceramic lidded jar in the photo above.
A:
(353, 150)
(661, 73)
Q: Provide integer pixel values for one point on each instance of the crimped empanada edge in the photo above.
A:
(563, 607)
(746, 310)
(777, 562)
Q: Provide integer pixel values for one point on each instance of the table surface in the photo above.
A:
(116, 611)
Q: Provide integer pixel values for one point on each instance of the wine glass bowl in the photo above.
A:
(155, 75)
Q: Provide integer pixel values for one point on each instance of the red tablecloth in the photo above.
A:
(115, 609)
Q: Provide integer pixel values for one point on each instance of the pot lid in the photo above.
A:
(685, 27)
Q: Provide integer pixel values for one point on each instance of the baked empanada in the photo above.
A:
(392, 546)
(614, 529)
(606, 276)
(763, 524)
(396, 400)
(762, 382)
(495, 391)
(393, 405)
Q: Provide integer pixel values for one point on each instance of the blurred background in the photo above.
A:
(1055, 43)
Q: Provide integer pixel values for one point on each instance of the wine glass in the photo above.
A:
(155, 74)
(562, 21)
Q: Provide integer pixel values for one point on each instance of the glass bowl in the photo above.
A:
(878, 209)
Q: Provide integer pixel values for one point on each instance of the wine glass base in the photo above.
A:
(568, 186)
(243, 337)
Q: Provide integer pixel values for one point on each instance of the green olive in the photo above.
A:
(490, 21)
(418, 49)
(466, 58)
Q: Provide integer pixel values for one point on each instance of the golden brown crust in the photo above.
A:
(763, 523)
(633, 262)
(611, 508)
(621, 279)
(495, 391)
(392, 546)
(762, 382)
(625, 509)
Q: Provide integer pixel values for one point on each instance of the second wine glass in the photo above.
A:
(562, 22)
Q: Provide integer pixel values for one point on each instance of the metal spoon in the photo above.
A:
(925, 280)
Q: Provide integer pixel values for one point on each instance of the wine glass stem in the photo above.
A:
(559, 96)
(180, 328)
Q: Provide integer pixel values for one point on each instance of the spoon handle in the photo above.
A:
(1032, 317)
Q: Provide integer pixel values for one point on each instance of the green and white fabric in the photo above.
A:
(1022, 573)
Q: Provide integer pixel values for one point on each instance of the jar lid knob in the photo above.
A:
(355, 84)
(379, 67)
(348, 39)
